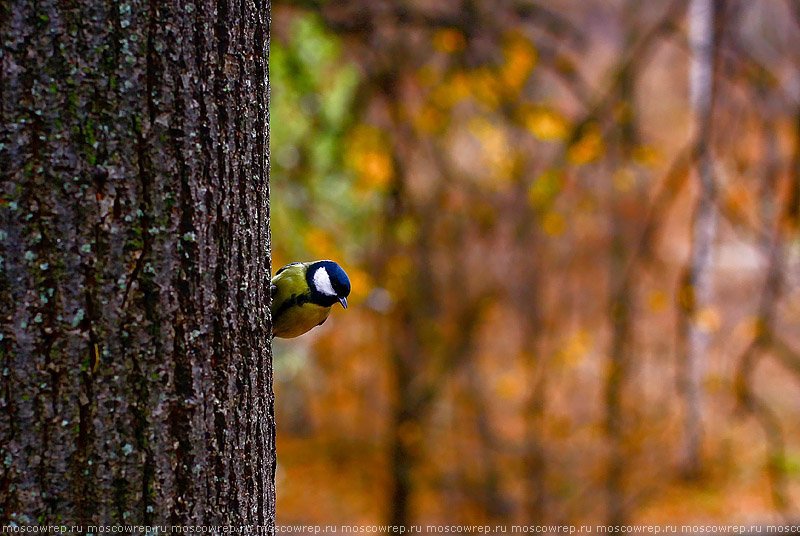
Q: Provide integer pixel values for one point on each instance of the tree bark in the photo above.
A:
(135, 262)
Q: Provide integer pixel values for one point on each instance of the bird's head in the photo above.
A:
(328, 283)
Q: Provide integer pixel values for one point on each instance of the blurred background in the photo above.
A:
(572, 233)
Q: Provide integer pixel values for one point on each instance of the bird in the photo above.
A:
(303, 294)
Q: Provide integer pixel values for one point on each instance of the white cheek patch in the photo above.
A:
(322, 282)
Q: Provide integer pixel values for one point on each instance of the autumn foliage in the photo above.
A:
(512, 186)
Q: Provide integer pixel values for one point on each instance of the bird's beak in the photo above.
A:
(343, 301)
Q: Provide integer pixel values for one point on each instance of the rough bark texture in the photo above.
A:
(135, 250)
(699, 280)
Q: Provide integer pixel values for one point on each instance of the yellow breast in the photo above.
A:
(299, 319)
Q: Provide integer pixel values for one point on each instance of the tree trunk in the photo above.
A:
(135, 263)
(698, 284)
(620, 313)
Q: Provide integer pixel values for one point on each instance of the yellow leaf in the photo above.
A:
(497, 153)
(646, 155)
(375, 169)
(545, 188)
(520, 55)
(545, 123)
(554, 224)
(452, 90)
(429, 119)
(449, 41)
(485, 87)
(589, 147)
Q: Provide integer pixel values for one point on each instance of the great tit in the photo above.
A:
(303, 294)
